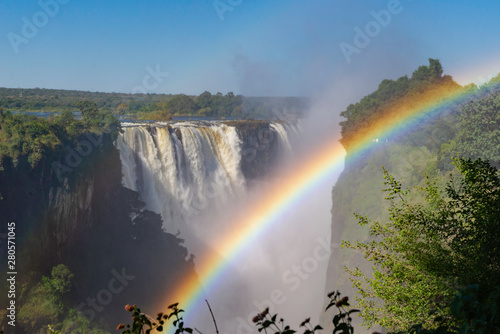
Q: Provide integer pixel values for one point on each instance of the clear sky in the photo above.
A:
(250, 47)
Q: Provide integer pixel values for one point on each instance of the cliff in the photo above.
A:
(72, 209)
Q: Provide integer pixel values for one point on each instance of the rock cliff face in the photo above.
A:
(81, 215)
(262, 144)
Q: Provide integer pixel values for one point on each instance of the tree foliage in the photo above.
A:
(44, 309)
(394, 97)
(205, 104)
(34, 137)
(426, 252)
(43, 305)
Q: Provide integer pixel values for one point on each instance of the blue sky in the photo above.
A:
(263, 48)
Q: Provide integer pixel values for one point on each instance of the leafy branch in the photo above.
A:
(144, 324)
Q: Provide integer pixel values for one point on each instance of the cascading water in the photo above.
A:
(189, 171)
(178, 170)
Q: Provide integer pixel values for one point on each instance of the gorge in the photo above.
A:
(141, 210)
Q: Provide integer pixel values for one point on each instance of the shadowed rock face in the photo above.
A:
(99, 229)
(260, 148)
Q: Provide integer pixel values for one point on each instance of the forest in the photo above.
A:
(37, 138)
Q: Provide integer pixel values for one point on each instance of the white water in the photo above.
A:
(180, 179)
(190, 172)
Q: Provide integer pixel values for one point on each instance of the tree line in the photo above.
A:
(156, 106)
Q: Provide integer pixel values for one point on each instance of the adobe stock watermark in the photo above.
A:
(222, 6)
(292, 278)
(118, 282)
(31, 27)
(372, 29)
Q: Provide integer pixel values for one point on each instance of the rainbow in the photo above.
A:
(296, 184)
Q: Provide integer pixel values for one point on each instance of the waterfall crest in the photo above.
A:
(183, 168)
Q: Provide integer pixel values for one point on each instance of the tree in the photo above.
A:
(43, 305)
(426, 252)
(61, 278)
(65, 118)
(182, 105)
(88, 109)
(122, 108)
(204, 99)
(428, 73)
(395, 98)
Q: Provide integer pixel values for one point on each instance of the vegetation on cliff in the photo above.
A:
(426, 252)
(46, 304)
(392, 97)
(36, 137)
(85, 219)
(391, 290)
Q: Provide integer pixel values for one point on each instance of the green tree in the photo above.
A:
(66, 118)
(428, 73)
(77, 323)
(428, 251)
(43, 305)
(393, 98)
(60, 281)
(204, 100)
(182, 105)
(217, 104)
(88, 109)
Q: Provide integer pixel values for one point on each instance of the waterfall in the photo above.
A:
(193, 173)
(188, 171)
(181, 169)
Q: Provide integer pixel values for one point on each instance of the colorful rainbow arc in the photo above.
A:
(318, 166)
